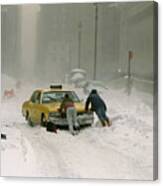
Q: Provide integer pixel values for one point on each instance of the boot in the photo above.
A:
(109, 123)
(74, 133)
(103, 123)
(55, 130)
(77, 128)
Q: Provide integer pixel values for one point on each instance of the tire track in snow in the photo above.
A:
(24, 148)
(127, 165)
(48, 156)
(82, 156)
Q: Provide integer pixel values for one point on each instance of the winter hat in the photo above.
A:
(94, 91)
(66, 96)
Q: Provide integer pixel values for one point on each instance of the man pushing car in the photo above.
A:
(67, 106)
(98, 106)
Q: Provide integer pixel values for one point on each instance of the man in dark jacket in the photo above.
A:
(67, 106)
(98, 106)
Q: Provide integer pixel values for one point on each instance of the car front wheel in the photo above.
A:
(30, 123)
(43, 120)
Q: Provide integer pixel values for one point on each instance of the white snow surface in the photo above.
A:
(122, 151)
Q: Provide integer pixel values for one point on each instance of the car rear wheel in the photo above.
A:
(26, 116)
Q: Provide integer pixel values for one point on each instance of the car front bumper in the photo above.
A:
(84, 119)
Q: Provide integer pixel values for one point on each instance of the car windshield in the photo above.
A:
(57, 96)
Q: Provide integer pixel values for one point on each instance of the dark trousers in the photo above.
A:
(101, 113)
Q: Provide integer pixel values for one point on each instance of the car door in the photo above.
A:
(35, 103)
(37, 108)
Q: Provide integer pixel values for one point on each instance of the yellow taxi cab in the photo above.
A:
(44, 104)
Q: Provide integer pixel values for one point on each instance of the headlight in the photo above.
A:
(54, 114)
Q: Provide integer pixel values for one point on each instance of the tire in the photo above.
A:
(26, 116)
(43, 121)
(28, 119)
(30, 123)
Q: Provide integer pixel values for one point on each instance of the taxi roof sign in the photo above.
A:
(56, 86)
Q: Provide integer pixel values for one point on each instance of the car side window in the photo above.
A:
(35, 98)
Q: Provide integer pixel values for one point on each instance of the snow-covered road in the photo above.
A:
(123, 151)
(88, 155)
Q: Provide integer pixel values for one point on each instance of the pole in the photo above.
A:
(79, 43)
(95, 48)
(129, 84)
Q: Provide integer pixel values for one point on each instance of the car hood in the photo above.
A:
(54, 107)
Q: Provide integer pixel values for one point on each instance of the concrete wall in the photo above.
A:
(120, 27)
(10, 40)
(108, 41)
(136, 34)
(28, 41)
(58, 39)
